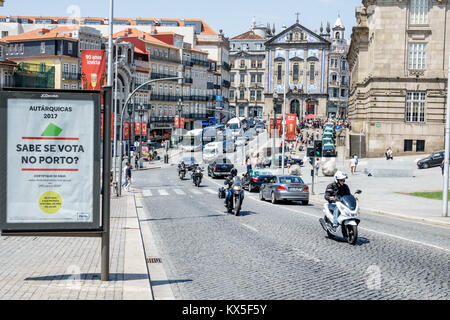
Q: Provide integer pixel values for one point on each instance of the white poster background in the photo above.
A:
(25, 188)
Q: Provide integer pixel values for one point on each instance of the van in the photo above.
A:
(212, 151)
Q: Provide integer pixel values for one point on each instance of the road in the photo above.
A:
(279, 252)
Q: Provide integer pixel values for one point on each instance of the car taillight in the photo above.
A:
(255, 179)
(306, 189)
(281, 188)
(215, 168)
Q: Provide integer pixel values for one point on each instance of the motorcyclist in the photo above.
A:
(334, 192)
(181, 167)
(229, 183)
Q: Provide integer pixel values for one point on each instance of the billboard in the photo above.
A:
(291, 127)
(50, 168)
(279, 131)
(179, 122)
(93, 69)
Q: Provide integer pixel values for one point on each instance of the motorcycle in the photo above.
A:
(348, 219)
(235, 197)
(197, 176)
(181, 172)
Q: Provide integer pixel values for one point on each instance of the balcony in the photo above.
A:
(226, 83)
(164, 97)
(71, 76)
(160, 58)
(137, 106)
(217, 86)
(226, 66)
(144, 88)
(200, 62)
(188, 63)
(188, 80)
(156, 75)
(210, 86)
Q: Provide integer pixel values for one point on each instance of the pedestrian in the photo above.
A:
(249, 164)
(128, 176)
(389, 155)
(136, 161)
(317, 166)
(290, 162)
(353, 165)
(442, 166)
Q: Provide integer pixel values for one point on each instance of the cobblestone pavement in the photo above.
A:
(281, 252)
(65, 268)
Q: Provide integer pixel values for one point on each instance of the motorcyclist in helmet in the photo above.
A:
(334, 192)
(181, 167)
(229, 183)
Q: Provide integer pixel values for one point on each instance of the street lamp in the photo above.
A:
(130, 113)
(275, 101)
(141, 115)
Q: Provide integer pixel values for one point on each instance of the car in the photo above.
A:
(328, 125)
(328, 130)
(268, 162)
(329, 151)
(253, 179)
(327, 141)
(433, 160)
(290, 188)
(260, 128)
(220, 168)
(328, 135)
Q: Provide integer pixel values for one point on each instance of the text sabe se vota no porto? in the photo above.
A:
(39, 148)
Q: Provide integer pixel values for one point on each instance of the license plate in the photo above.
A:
(296, 189)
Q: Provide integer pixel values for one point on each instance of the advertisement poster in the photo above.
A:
(50, 157)
(179, 122)
(144, 128)
(93, 69)
(291, 127)
(126, 130)
(138, 128)
(279, 127)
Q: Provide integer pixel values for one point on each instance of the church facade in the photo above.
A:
(297, 68)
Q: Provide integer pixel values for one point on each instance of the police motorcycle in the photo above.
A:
(234, 195)
(349, 219)
(182, 171)
(197, 176)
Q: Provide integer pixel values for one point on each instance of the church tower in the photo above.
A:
(339, 29)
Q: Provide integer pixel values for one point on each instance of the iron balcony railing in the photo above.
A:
(160, 58)
(157, 75)
(71, 76)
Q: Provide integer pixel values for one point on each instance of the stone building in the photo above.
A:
(339, 73)
(302, 56)
(247, 58)
(399, 61)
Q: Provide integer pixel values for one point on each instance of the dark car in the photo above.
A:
(220, 168)
(279, 161)
(253, 179)
(433, 160)
(289, 188)
(329, 151)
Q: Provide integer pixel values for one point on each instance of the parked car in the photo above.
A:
(433, 160)
(278, 158)
(220, 168)
(329, 151)
(289, 188)
(253, 179)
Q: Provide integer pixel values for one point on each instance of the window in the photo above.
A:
(21, 48)
(242, 76)
(252, 94)
(295, 72)
(253, 78)
(419, 11)
(343, 93)
(343, 80)
(242, 63)
(253, 64)
(42, 47)
(74, 69)
(343, 65)
(333, 78)
(66, 87)
(259, 77)
(420, 146)
(70, 47)
(74, 87)
(232, 94)
(408, 145)
(417, 56)
(415, 107)
(241, 94)
(258, 95)
(279, 73)
(259, 64)
(334, 63)
(312, 71)
(335, 92)
(232, 77)
(66, 68)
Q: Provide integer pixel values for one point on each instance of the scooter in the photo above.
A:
(235, 197)
(349, 219)
(197, 176)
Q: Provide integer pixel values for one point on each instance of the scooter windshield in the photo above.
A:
(349, 202)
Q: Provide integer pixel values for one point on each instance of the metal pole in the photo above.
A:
(286, 71)
(106, 198)
(110, 43)
(274, 134)
(313, 167)
(115, 123)
(447, 149)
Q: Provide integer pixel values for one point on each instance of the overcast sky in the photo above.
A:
(232, 16)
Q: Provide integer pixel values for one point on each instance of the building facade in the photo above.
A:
(247, 58)
(6, 68)
(399, 61)
(339, 72)
(297, 66)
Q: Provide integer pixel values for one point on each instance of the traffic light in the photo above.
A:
(318, 148)
(310, 152)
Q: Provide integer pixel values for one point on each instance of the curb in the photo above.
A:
(426, 221)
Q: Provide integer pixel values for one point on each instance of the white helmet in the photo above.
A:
(340, 176)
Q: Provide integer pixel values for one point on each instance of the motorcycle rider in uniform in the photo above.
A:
(334, 192)
(229, 183)
(181, 167)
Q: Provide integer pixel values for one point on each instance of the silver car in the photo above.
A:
(289, 188)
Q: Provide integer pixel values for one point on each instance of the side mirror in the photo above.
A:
(358, 192)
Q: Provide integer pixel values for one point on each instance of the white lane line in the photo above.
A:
(179, 192)
(195, 191)
(163, 192)
(361, 228)
(146, 193)
(211, 191)
(248, 227)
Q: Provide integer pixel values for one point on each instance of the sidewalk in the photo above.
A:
(385, 196)
(42, 268)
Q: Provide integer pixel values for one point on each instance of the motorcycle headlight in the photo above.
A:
(237, 188)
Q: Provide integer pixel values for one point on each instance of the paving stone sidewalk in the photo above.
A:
(47, 268)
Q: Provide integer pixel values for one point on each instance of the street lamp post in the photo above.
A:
(275, 101)
(141, 115)
(130, 113)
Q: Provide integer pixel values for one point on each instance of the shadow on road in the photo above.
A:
(90, 276)
(182, 218)
(165, 282)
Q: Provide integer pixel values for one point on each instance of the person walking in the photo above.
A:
(389, 155)
(249, 164)
(136, 161)
(317, 166)
(353, 165)
(128, 176)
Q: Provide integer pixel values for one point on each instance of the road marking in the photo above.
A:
(146, 193)
(163, 192)
(195, 191)
(248, 227)
(361, 228)
(179, 192)
(211, 191)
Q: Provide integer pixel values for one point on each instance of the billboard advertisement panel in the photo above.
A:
(93, 69)
(291, 127)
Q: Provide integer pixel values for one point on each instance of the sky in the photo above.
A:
(232, 16)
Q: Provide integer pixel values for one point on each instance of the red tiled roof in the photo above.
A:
(249, 35)
(38, 34)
